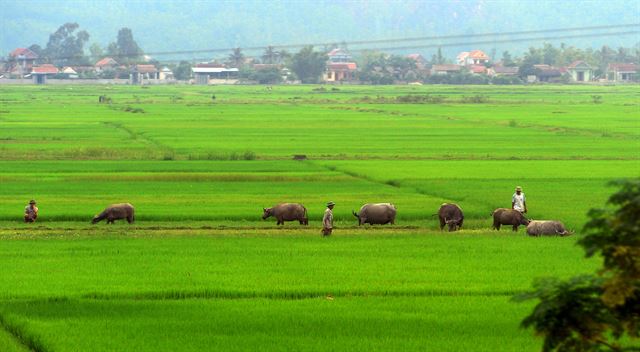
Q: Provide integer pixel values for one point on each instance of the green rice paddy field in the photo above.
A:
(199, 270)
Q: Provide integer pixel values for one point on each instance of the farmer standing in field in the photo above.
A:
(518, 201)
(327, 220)
(31, 212)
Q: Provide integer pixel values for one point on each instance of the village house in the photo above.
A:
(106, 64)
(140, 73)
(165, 74)
(621, 72)
(545, 73)
(580, 71)
(40, 73)
(21, 61)
(500, 70)
(340, 66)
(474, 57)
(69, 72)
(445, 69)
(207, 73)
(477, 69)
(421, 62)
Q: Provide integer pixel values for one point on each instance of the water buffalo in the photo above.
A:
(546, 227)
(287, 212)
(503, 216)
(378, 213)
(450, 214)
(116, 212)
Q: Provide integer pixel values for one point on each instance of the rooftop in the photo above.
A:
(44, 69)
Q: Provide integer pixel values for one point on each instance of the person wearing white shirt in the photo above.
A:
(519, 201)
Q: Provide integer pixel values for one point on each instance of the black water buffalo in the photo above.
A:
(287, 212)
(450, 214)
(546, 227)
(116, 212)
(378, 213)
(504, 216)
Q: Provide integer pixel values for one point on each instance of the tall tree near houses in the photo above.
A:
(308, 64)
(96, 52)
(66, 46)
(270, 55)
(128, 49)
(236, 58)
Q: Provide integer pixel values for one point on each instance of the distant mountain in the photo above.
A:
(181, 25)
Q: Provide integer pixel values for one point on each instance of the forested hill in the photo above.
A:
(183, 25)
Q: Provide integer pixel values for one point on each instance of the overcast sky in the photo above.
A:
(187, 25)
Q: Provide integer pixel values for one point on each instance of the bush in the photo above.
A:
(506, 80)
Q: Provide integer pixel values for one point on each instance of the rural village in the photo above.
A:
(24, 66)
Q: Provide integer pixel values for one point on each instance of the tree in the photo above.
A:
(66, 47)
(308, 64)
(270, 55)
(96, 52)
(507, 60)
(127, 48)
(438, 59)
(236, 58)
(596, 312)
(182, 72)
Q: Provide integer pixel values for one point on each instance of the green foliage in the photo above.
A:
(271, 75)
(66, 46)
(594, 313)
(506, 80)
(458, 78)
(236, 58)
(127, 48)
(308, 65)
(182, 72)
(615, 235)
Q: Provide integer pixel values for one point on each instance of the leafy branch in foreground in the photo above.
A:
(599, 312)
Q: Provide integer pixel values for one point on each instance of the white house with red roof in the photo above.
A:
(21, 61)
(106, 64)
(622, 72)
(580, 71)
(340, 66)
(40, 73)
(473, 57)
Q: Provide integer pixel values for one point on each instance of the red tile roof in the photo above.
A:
(107, 61)
(478, 54)
(146, 69)
(26, 53)
(350, 66)
(477, 69)
(506, 70)
(622, 67)
(577, 63)
(44, 69)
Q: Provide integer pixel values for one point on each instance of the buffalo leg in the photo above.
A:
(515, 228)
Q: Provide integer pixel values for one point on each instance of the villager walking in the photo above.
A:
(327, 220)
(519, 201)
(31, 212)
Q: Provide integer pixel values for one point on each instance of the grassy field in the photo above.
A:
(199, 270)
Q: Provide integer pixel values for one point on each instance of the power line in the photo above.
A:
(414, 39)
(502, 41)
(395, 40)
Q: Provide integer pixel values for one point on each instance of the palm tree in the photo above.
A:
(236, 57)
(282, 56)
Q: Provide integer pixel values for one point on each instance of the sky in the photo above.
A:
(165, 25)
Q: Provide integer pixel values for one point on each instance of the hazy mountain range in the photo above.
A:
(190, 25)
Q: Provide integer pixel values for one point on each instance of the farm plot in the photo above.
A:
(200, 270)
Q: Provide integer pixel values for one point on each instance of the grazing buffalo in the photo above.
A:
(378, 213)
(287, 212)
(450, 214)
(546, 227)
(503, 216)
(116, 212)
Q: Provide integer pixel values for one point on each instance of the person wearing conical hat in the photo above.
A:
(519, 201)
(31, 212)
(327, 220)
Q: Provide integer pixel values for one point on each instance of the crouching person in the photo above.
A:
(327, 220)
(31, 212)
